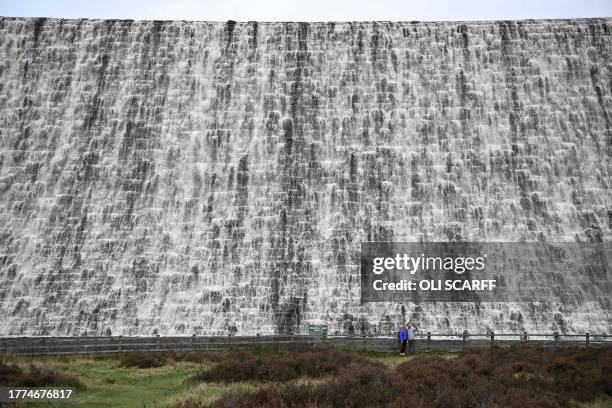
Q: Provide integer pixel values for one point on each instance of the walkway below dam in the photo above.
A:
(118, 344)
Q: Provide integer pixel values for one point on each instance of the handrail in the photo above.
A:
(43, 345)
(296, 336)
(157, 338)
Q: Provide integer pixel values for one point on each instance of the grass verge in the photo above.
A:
(505, 377)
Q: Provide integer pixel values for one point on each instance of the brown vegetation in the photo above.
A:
(497, 377)
(34, 376)
(141, 359)
(282, 366)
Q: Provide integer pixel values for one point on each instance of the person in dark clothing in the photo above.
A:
(403, 338)
(411, 334)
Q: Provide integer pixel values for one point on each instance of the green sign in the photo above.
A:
(318, 331)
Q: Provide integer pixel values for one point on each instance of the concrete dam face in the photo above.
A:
(202, 178)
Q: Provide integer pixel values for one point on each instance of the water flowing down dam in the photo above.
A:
(179, 178)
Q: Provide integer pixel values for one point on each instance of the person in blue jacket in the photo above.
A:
(403, 338)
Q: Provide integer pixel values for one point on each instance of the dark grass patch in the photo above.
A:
(280, 366)
(496, 377)
(141, 359)
(34, 376)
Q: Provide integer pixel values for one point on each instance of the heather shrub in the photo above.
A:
(152, 359)
(34, 376)
(189, 356)
(142, 360)
(8, 372)
(245, 366)
(448, 397)
(424, 375)
(496, 377)
(521, 398)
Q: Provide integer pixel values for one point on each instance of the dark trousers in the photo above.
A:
(403, 347)
(412, 347)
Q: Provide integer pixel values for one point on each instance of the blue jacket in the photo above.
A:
(403, 334)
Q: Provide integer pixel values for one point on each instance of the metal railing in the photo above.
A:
(118, 344)
(525, 337)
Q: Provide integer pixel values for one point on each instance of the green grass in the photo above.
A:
(109, 385)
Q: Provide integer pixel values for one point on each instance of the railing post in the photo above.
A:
(465, 335)
(525, 337)
(492, 337)
(157, 346)
(556, 338)
(587, 338)
(428, 337)
(193, 340)
(120, 343)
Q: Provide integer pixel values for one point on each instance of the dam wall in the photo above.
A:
(180, 178)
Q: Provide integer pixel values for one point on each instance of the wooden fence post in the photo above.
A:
(587, 338)
(525, 337)
(492, 337)
(465, 336)
(428, 337)
(556, 338)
